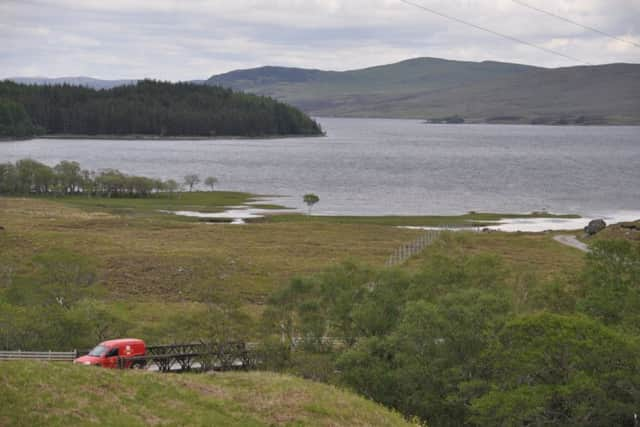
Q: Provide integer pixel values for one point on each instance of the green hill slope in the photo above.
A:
(52, 394)
(478, 91)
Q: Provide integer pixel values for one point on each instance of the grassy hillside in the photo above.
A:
(402, 77)
(434, 88)
(61, 394)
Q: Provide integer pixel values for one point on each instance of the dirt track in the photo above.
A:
(571, 241)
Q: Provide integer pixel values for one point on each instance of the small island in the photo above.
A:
(449, 120)
(146, 109)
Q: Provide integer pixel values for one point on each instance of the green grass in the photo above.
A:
(61, 394)
(535, 253)
(202, 201)
(150, 265)
(147, 258)
(471, 219)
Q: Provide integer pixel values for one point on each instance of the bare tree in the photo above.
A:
(191, 180)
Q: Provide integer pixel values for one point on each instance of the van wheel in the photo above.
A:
(137, 365)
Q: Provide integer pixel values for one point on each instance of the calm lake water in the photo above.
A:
(373, 166)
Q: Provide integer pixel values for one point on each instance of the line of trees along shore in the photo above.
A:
(149, 107)
(30, 177)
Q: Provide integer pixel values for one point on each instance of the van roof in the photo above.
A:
(122, 341)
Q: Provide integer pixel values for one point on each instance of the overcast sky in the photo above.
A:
(194, 39)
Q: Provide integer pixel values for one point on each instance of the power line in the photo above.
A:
(546, 12)
(495, 33)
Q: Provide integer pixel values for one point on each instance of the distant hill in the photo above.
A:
(75, 81)
(438, 89)
(62, 394)
(429, 88)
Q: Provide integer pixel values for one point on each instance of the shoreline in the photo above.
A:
(534, 222)
(484, 122)
(254, 208)
(136, 137)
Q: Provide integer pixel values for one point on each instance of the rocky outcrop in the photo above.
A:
(595, 226)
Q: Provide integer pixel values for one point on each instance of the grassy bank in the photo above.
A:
(169, 138)
(61, 394)
(625, 230)
(201, 201)
(471, 219)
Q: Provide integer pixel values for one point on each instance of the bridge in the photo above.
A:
(165, 358)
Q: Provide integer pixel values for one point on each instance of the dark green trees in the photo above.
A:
(29, 177)
(14, 120)
(452, 343)
(147, 108)
(547, 369)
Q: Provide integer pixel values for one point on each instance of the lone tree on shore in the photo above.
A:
(310, 199)
(211, 181)
(191, 180)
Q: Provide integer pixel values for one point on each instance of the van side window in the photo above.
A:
(113, 352)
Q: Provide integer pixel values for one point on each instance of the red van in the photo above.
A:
(106, 353)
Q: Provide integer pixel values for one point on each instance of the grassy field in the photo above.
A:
(150, 265)
(38, 393)
(535, 253)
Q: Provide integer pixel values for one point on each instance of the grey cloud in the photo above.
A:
(179, 40)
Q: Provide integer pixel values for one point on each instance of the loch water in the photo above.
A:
(385, 166)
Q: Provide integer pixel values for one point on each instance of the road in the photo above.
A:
(571, 241)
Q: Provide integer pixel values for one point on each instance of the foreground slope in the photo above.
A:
(52, 394)
(434, 88)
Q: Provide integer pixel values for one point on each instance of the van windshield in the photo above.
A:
(99, 351)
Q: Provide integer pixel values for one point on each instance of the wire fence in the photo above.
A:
(58, 356)
(404, 252)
